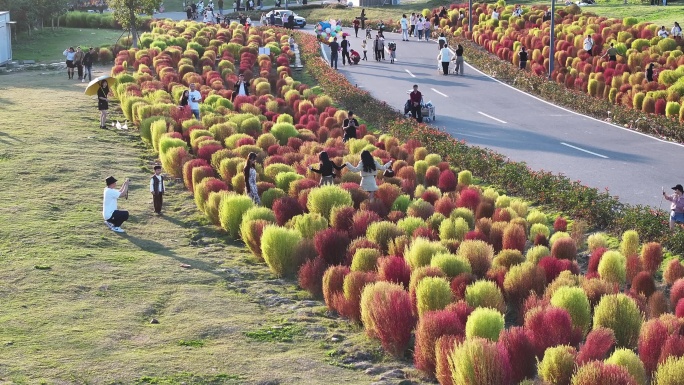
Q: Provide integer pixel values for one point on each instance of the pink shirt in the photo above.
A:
(677, 202)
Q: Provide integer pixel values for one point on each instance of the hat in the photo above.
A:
(157, 167)
(678, 188)
(111, 180)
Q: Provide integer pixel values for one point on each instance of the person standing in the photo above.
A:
(588, 44)
(523, 57)
(427, 27)
(349, 126)
(334, 49)
(365, 50)
(78, 62)
(157, 189)
(88, 59)
(404, 28)
(420, 25)
(284, 20)
(241, 88)
(412, 24)
(113, 217)
(250, 174)
(649, 72)
(459, 60)
(103, 102)
(69, 53)
(368, 167)
(291, 21)
(220, 6)
(326, 168)
(677, 206)
(345, 50)
(378, 47)
(416, 104)
(445, 58)
(271, 19)
(194, 99)
(357, 24)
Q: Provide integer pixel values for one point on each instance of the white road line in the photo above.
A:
(409, 72)
(491, 117)
(325, 55)
(445, 95)
(583, 150)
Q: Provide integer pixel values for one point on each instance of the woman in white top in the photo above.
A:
(676, 31)
(206, 18)
(420, 25)
(368, 167)
(427, 27)
(444, 58)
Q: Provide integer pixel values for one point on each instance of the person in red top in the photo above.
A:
(356, 27)
(416, 98)
(677, 206)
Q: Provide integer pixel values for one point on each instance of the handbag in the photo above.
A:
(389, 173)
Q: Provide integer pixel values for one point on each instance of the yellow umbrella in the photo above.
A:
(94, 85)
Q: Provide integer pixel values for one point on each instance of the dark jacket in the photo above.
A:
(236, 88)
(345, 45)
(334, 48)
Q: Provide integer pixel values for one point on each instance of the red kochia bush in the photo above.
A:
(443, 348)
(643, 283)
(560, 224)
(652, 338)
(333, 281)
(187, 171)
(431, 326)
(394, 269)
(461, 309)
(673, 347)
(342, 219)
(311, 276)
(469, 197)
(348, 303)
(514, 238)
(459, 284)
(651, 256)
(679, 309)
(208, 150)
(520, 353)
(673, 271)
(564, 248)
(393, 320)
(331, 245)
(677, 291)
(447, 181)
(551, 326)
(594, 259)
(599, 343)
(598, 372)
(361, 220)
(445, 205)
(285, 208)
(432, 175)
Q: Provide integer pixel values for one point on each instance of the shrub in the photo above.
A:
(612, 267)
(485, 323)
(598, 372)
(283, 180)
(331, 245)
(365, 259)
(465, 178)
(453, 229)
(651, 256)
(420, 252)
(673, 271)
(409, 224)
(323, 199)
(596, 241)
(522, 279)
(564, 248)
(444, 347)
(619, 313)
(421, 209)
(550, 326)
(479, 361)
(508, 258)
(485, 294)
(279, 247)
(394, 269)
(599, 343)
(657, 305)
(286, 208)
(284, 131)
(597, 288)
(575, 301)
(431, 326)
(630, 361)
(677, 291)
(251, 232)
(333, 281)
(232, 208)
(465, 213)
(450, 264)
(447, 181)
(308, 224)
(520, 353)
(432, 293)
(514, 237)
(310, 276)
(382, 233)
(643, 283)
(630, 243)
(558, 365)
(536, 253)
(347, 304)
(537, 229)
(387, 314)
(479, 254)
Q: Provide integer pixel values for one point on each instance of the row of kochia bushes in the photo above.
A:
(433, 255)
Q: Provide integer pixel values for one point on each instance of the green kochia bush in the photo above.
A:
(613, 267)
(484, 322)
(321, 200)
(630, 361)
(575, 301)
(283, 132)
(283, 180)
(670, 372)
(365, 259)
(450, 264)
(279, 248)
(432, 293)
(232, 208)
(485, 294)
(421, 250)
(453, 229)
(557, 365)
(308, 224)
(382, 233)
(478, 361)
(619, 313)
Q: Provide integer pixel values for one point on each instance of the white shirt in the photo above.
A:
(676, 31)
(414, 20)
(194, 97)
(588, 44)
(662, 33)
(445, 54)
(109, 202)
(404, 23)
(442, 38)
(495, 15)
(241, 90)
(161, 183)
(420, 25)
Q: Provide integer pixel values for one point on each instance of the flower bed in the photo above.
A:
(433, 255)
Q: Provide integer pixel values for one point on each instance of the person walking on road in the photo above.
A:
(412, 24)
(427, 27)
(677, 206)
(459, 60)
(357, 24)
(88, 60)
(523, 57)
(420, 25)
(444, 58)
(334, 49)
(441, 40)
(345, 50)
(404, 28)
(416, 104)
(378, 47)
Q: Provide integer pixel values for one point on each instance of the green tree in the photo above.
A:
(126, 13)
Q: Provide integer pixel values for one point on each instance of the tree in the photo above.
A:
(126, 12)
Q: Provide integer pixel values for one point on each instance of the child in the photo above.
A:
(157, 189)
(363, 45)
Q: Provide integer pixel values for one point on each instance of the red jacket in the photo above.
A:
(416, 97)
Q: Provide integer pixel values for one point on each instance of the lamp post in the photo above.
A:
(470, 16)
(552, 40)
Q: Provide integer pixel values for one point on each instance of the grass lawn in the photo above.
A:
(47, 45)
(77, 298)
(658, 15)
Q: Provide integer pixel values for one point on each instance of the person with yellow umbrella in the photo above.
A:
(101, 87)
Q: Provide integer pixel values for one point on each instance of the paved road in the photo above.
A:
(486, 113)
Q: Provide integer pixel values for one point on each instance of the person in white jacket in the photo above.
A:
(369, 167)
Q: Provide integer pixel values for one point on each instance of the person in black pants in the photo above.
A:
(113, 217)
(88, 63)
(523, 57)
(325, 168)
(349, 126)
(334, 48)
(345, 51)
(416, 99)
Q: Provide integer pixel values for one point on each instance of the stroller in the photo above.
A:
(427, 110)
(392, 47)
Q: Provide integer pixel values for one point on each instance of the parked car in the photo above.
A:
(299, 21)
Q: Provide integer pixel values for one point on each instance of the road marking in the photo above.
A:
(325, 55)
(491, 117)
(409, 72)
(445, 95)
(583, 150)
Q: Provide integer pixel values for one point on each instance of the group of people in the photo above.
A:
(415, 26)
(348, 54)
(675, 32)
(113, 217)
(77, 59)
(445, 57)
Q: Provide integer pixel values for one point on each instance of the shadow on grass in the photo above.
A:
(8, 139)
(5, 102)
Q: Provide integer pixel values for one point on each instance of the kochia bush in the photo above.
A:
(432, 293)
(520, 353)
(308, 224)
(484, 322)
(598, 372)
(382, 233)
(523, 279)
(420, 252)
(557, 365)
(630, 361)
(323, 199)
(279, 248)
(233, 206)
(550, 326)
(431, 326)
(670, 372)
(619, 313)
(485, 294)
(576, 302)
(479, 361)
(613, 267)
(479, 254)
(451, 264)
(387, 314)
(599, 343)
(331, 245)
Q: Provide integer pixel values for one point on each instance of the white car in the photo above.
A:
(298, 20)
